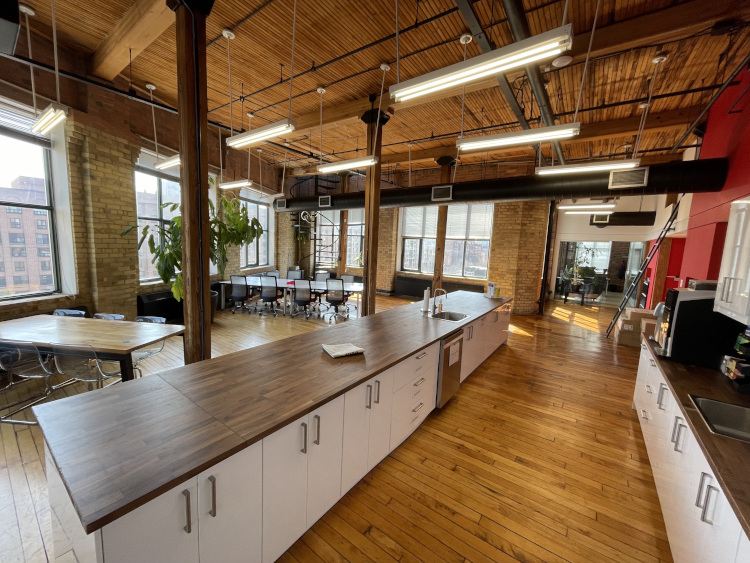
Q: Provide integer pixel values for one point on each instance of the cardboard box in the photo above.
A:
(648, 327)
(634, 314)
(628, 330)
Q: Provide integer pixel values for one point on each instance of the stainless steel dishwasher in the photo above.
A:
(449, 371)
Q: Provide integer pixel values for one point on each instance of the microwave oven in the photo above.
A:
(691, 332)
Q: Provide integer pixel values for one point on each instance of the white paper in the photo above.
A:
(426, 306)
(455, 353)
(339, 350)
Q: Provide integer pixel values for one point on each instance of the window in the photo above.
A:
(418, 232)
(355, 237)
(45, 280)
(594, 255)
(44, 265)
(328, 225)
(467, 244)
(2, 266)
(256, 253)
(42, 239)
(3, 284)
(151, 193)
(467, 240)
(40, 252)
(26, 194)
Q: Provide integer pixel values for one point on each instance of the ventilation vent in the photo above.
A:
(635, 178)
(280, 204)
(599, 219)
(324, 201)
(442, 193)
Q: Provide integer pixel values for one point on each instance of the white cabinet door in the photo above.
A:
(471, 352)
(284, 488)
(504, 322)
(733, 289)
(230, 508)
(164, 529)
(357, 411)
(326, 427)
(379, 442)
(719, 528)
(493, 332)
(743, 549)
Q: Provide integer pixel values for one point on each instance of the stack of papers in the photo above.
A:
(339, 350)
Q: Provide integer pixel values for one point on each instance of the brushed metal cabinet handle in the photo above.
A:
(648, 389)
(422, 355)
(674, 428)
(700, 489)
(729, 290)
(660, 396)
(212, 480)
(723, 288)
(304, 438)
(377, 392)
(188, 518)
(709, 490)
(418, 383)
(643, 346)
(419, 406)
(369, 397)
(677, 440)
(643, 414)
(652, 362)
(316, 418)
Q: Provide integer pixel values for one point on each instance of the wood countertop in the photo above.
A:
(729, 458)
(119, 447)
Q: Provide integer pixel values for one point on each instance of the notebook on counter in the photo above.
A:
(339, 350)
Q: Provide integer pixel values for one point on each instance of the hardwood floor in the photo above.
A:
(537, 458)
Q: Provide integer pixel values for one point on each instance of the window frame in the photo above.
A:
(467, 239)
(349, 262)
(245, 248)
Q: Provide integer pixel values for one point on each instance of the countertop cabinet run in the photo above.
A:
(701, 525)
(733, 290)
(301, 476)
(215, 516)
(482, 337)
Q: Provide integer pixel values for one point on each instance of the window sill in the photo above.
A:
(478, 281)
(10, 302)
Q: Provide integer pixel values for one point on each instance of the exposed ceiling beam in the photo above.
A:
(349, 111)
(139, 27)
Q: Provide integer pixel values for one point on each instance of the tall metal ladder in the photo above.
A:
(651, 253)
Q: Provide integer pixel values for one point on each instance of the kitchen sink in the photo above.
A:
(450, 316)
(724, 418)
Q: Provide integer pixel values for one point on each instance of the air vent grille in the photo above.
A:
(324, 201)
(634, 178)
(442, 193)
(599, 219)
(280, 204)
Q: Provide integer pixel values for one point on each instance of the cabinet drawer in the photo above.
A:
(421, 388)
(424, 362)
(405, 425)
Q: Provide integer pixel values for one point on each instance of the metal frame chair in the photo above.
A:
(335, 296)
(348, 278)
(82, 363)
(321, 277)
(269, 293)
(24, 360)
(144, 353)
(241, 293)
(109, 316)
(295, 274)
(303, 296)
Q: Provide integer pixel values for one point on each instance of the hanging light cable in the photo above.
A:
(321, 91)
(658, 59)
(28, 11)
(229, 35)
(260, 173)
(465, 40)
(410, 165)
(588, 56)
(398, 53)
(150, 87)
(291, 70)
(55, 112)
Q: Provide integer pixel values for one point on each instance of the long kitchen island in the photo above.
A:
(233, 458)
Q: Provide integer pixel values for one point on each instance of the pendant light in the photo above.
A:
(519, 54)
(55, 112)
(604, 166)
(278, 128)
(586, 206)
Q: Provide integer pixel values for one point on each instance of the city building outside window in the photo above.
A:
(355, 237)
(20, 280)
(15, 223)
(19, 266)
(41, 224)
(19, 252)
(256, 253)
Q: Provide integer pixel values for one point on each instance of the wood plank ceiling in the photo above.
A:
(341, 44)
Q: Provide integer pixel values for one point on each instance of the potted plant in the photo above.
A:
(164, 241)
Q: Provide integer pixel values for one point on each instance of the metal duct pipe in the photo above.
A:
(694, 176)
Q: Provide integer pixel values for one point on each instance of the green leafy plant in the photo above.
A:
(235, 227)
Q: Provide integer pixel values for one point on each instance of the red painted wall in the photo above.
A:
(727, 135)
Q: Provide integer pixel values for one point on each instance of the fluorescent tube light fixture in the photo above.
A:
(588, 206)
(592, 212)
(516, 55)
(170, 162)
(351, 164)
(605, 166)
(255, 136)
(54, 114)
(235, 184)
(515, 138)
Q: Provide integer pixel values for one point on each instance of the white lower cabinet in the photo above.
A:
(498, 322)
(379, 440)
(215, 517)
(701, 525)
(301, 465)
(473, 353)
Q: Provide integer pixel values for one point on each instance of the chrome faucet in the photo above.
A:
(435, 301)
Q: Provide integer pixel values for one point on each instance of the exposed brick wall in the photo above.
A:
(387, 248)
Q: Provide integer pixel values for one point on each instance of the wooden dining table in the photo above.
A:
(111, 340)
(287, 285)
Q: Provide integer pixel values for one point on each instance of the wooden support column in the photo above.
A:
(372, 210)
(343, 231)
(192, 98)
(442, 225)
(659, 278)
